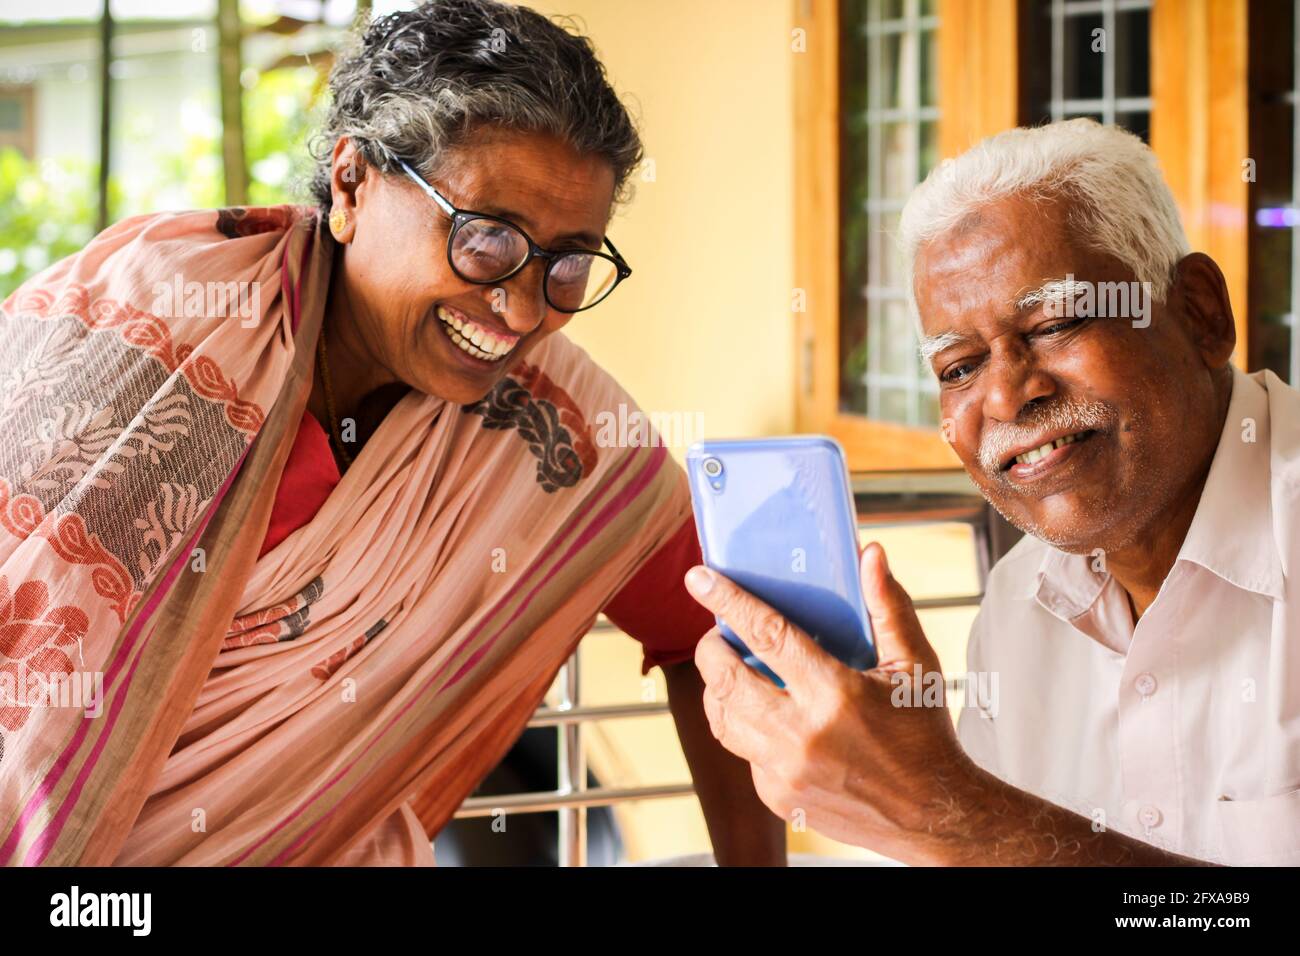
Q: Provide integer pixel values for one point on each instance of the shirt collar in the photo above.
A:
(1231, 533)
(1065, 584)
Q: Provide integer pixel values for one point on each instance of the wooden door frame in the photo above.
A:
(978, 95)
(1200, 132)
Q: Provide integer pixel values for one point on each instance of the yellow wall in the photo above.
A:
(704, 324)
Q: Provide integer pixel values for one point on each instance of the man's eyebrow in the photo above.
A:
(932, 345)
(1054, 290)
(1059, 291)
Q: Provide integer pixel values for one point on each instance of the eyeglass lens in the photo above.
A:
(485, 250)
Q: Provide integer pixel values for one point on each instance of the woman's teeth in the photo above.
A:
(1029, 457)
(469, 336)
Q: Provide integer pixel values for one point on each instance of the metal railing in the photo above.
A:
(883, 499)
(572, 796)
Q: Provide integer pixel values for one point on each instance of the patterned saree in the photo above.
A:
(167, 696)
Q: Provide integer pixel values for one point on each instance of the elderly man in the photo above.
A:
(1146, 632)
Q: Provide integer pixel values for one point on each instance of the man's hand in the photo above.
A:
(868, 758)
(835, 745)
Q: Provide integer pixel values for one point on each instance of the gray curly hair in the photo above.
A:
(418, 83)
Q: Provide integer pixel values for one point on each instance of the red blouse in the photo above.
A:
(653, 607)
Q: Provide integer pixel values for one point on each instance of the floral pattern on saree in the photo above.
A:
(33, 636)
(281, 622)
(326, 668)
(235, 222)
(548, 419)
(117, 436)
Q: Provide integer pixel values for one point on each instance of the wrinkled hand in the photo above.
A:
(854, 752)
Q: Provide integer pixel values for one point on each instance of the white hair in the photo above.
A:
(1118, 201)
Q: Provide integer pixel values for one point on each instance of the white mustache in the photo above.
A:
(1067, 415)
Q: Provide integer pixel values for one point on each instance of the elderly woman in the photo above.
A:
(311, 496)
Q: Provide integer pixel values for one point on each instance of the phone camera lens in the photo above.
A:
(712, 467)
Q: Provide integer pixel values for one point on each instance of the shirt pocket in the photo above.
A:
(1263, 832)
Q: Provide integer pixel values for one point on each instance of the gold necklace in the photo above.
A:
(335, 433)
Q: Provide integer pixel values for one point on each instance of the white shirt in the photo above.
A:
(1183, 731)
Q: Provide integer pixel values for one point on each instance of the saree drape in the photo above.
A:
(366, 671)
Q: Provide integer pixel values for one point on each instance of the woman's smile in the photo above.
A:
(472, 343)
(475, 338)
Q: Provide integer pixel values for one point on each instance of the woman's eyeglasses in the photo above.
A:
(485, 249)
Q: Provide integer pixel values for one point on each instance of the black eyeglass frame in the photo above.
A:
(459, 217)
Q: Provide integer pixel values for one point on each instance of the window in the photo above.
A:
(1274, 211)
(1088, 58)
(888, 143)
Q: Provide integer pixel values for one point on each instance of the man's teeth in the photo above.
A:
(1029, 457)
(473, 338)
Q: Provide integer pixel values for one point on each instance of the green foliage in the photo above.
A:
(47, 212)
(47, 208)
(279, 116)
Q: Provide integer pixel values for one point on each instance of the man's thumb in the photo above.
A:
(900, 642)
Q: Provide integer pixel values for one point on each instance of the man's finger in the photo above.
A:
(899, 637)
(795, 657)
(744, 707)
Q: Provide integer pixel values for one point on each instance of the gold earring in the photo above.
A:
(338, 221)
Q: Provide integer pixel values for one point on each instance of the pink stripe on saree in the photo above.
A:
(46, 839)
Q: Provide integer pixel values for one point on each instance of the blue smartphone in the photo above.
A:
(776, 516)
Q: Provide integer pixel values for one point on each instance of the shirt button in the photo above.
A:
(1145, 685)
(1150, 816)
